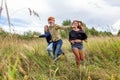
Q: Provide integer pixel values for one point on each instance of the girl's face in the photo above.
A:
(75, 24)
(46, 28)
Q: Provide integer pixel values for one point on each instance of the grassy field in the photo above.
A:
(28, 60)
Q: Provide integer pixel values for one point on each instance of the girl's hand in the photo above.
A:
(72, 41)
(35, 36)
(86, 40)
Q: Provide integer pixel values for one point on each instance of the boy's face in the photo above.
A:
(51, 22)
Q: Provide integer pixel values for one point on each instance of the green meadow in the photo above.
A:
(22, 59)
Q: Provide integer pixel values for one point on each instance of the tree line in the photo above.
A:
(89, 31)
(64, 33)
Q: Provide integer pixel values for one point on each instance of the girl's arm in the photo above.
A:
(71, 41)
(44, 35)
(86, 40)
(70, 38)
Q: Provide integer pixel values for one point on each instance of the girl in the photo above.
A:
(76, 37)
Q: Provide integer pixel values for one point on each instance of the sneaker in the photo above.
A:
(55, 59)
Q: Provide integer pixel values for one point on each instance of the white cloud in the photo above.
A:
(95, 9)
(92, 12)
(21, 29)
(37, 5)
(113, 2)
(116, 27)
(18, 9)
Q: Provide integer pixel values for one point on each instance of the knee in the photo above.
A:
(82, 57)
(77, 58)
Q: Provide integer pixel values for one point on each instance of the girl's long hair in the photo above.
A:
(46, 28)
(81, 26)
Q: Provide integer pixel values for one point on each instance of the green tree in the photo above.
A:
(118, 33)
(89, 32)
(66, 22)
(65, 33)
(3, 33)
(93, 32)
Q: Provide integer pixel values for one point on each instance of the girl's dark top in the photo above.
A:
(73, 35)
(48, 37)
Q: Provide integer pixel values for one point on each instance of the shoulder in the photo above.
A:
(81, 31)
(56, 25)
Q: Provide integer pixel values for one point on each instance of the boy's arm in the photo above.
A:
(63, 27)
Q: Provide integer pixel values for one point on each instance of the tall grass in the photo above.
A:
(28, 60)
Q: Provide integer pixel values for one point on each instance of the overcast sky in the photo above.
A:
(101, 14)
